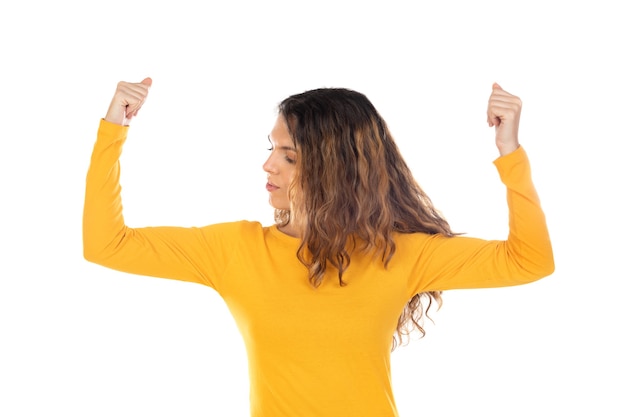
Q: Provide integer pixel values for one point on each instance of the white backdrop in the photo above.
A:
(80, 340)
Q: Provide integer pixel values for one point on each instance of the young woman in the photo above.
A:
(356, 257)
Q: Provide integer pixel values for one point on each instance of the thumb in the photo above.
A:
(147, 81)
(494, 86)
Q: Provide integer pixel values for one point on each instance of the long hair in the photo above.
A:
(353, 190)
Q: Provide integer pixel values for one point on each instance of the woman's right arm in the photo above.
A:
(168, 252)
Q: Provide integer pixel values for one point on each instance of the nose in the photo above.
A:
(269, 165)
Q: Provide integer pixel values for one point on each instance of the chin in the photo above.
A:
(278, 206)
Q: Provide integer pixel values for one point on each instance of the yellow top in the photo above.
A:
(312, 351)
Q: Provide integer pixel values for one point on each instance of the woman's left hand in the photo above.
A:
(503, 112)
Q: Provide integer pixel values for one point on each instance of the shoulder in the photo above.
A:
(226, 239)
(414, 237)
(235, 229)
(408, 245)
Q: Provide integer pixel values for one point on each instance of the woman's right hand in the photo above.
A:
(127, 100)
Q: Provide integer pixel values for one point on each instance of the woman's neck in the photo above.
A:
(290, 230)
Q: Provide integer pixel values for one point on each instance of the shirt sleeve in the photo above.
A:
(190, 254)
(464, 262)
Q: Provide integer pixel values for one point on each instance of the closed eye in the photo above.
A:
(285, 148)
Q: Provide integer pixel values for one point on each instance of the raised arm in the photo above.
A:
(168, 252)
(526, 255)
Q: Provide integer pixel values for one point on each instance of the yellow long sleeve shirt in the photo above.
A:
(312, 351)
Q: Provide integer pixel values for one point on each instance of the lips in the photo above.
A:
(271, 187)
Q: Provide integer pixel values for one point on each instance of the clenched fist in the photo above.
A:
(503, 112)
(127, 100)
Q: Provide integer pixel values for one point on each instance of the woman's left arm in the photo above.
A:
(526, 255)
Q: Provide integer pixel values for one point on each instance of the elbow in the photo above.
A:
(548, 263)
(533, 265)
(90, 255)
(91, 245)
(98, 247)
(543, 267)
(101, 250)
(543, 271)
(549, 268)
(93, 251)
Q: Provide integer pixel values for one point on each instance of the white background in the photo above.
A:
(77, 339)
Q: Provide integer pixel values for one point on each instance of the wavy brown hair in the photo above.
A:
(353, 190)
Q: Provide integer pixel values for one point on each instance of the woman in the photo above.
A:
(356, 257)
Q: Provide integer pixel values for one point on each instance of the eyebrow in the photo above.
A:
(284, 148)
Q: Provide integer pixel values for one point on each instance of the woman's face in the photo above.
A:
(280, 166)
